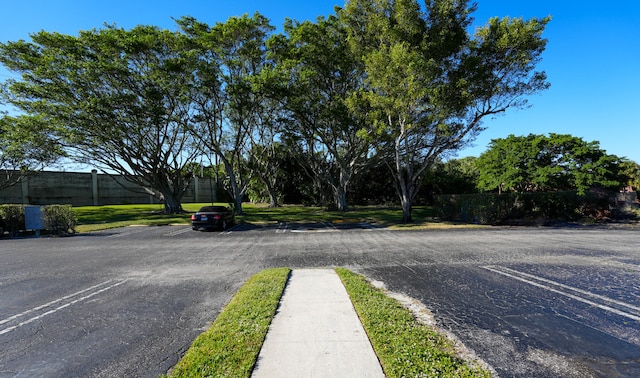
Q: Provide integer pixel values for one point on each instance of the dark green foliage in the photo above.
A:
(13, 216)
(429, 84)
(319, 75)
(536, 163)
(389, 81)
(375, 187)
(60, 219)
(524, 208)
(631, 174)
(456, 176)
(119, 97)
(27, 145)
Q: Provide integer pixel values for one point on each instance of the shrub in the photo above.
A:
(59, 219)
(509, 208)
(13, 216)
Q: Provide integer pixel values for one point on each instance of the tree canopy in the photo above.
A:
(27, 145)
(318, 74)
(547, 163)
(379, 81)
(230, 108)
(429, 84)
(117, 97)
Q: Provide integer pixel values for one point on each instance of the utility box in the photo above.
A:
(33, 218)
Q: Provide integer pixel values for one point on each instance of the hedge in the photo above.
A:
(59, 219)
(510, 208)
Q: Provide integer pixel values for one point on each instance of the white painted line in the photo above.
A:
(139, 230)
(584, 292)
(178, 232)
(52, 302)
(32, 319)
(569, 295)
(282, 228)
(315, 230)
(330, 226)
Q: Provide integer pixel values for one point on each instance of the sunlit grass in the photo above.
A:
(404, 347)
(93, 218)
(230, 347)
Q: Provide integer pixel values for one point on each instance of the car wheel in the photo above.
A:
(224, 225)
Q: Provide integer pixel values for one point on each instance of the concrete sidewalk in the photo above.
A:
(316, 332)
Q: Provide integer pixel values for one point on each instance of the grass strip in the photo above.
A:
(94, 218)
(404, 347)
(230, 347)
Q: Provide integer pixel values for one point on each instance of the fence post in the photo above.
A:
(25, 189)
(196, 184)
(94, 186)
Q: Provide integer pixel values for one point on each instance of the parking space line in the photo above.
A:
(330, 225)
(282, 228)
(564, 290)
(66, 302)
(178, 232)
(140, 229)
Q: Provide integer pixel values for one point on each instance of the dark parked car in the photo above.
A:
(212, 217)
(3, 226)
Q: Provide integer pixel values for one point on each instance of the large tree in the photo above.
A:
(547, 163)
(631, 173)
(319, 74)
(229, 105)
(119, 97)
(27, 145)
(429, 84)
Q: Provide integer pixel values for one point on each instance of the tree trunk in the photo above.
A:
(172, 204)
(238, 203)
(341, 199)
(406, 193)
(170, 197)
(406, 199)
(273, 195)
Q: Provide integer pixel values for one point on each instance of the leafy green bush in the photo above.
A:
(13, 215)
(59, 219)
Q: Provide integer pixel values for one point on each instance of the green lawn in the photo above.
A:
(93, 218)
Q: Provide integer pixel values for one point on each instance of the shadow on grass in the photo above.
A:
(91, 218)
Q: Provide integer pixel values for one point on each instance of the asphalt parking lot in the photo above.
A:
(128, 302)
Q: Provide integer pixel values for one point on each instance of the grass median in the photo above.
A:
(230, 347)
(404, 347)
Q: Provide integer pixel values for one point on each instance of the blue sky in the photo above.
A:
(592, 56)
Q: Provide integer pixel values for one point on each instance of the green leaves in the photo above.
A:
(547, 163)
(120, 99)
(27, 145)
(428, 84)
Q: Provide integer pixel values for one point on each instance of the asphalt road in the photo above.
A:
(128, 302)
